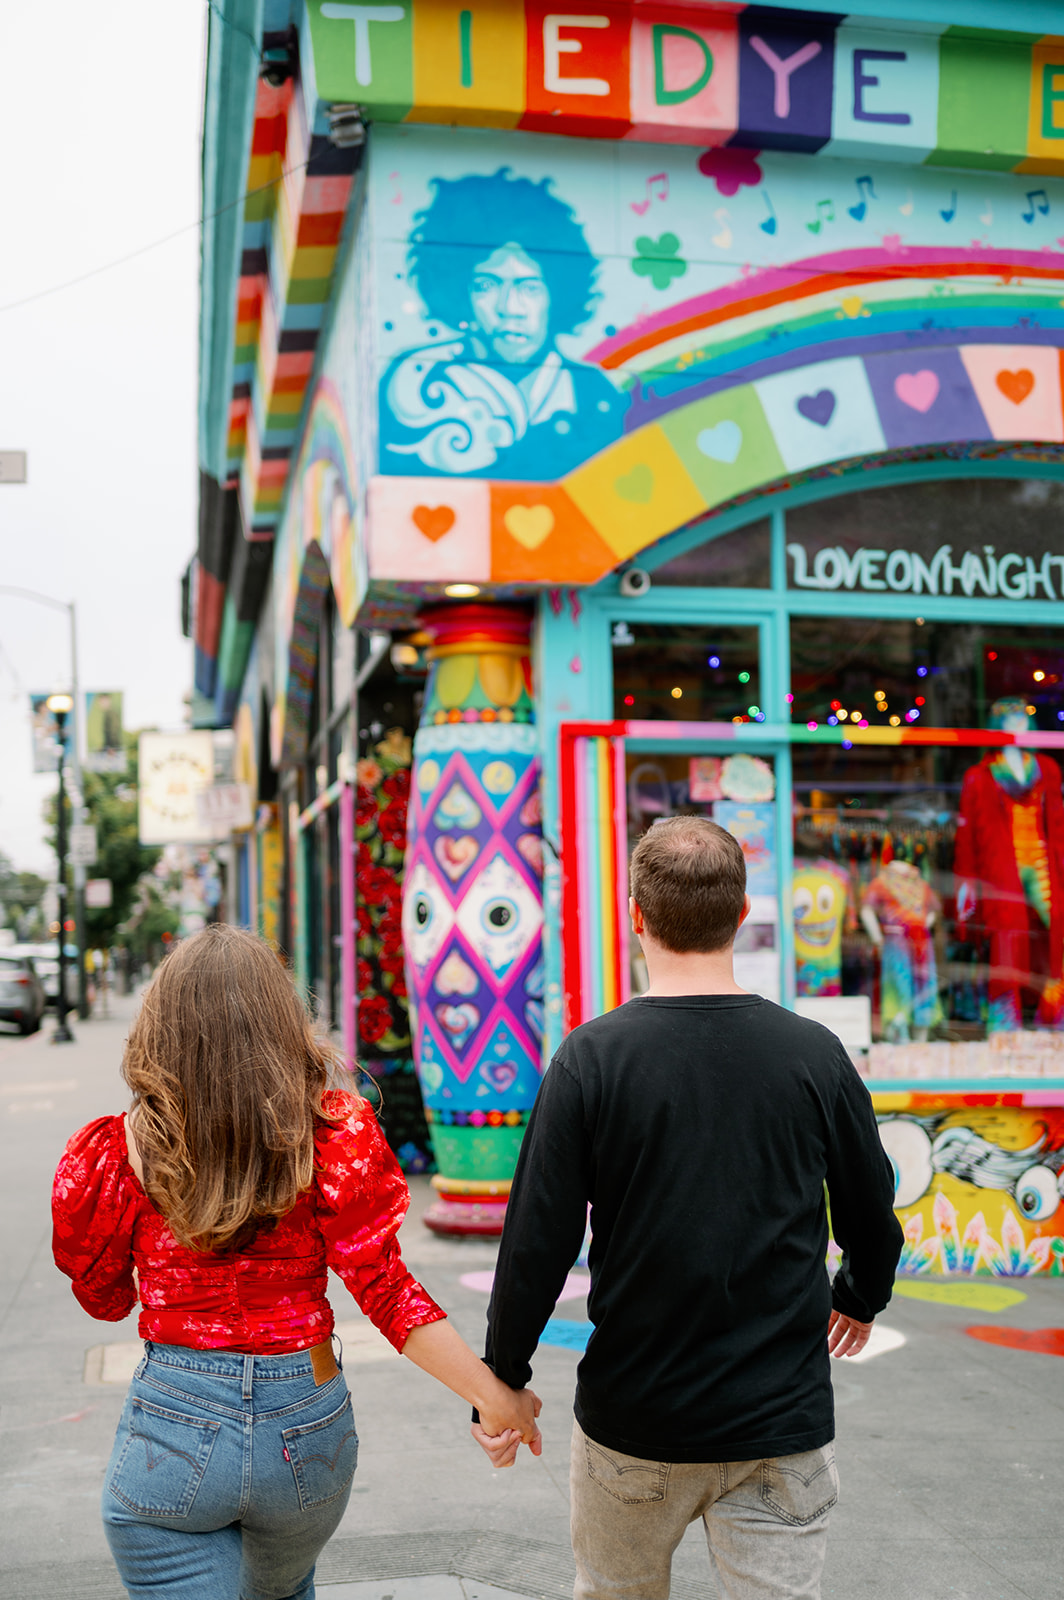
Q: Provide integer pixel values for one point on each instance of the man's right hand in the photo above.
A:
(847, 1336)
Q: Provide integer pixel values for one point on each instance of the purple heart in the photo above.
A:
(500, 1074)
(819, 407)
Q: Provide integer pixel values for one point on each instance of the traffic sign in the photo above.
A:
(82, 850)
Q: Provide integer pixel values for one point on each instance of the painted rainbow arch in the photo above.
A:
(833, 358)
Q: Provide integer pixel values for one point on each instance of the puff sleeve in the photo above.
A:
(362, 1198)
(94, 1209)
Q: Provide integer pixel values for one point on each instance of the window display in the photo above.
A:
(738, 792)
(665, 672)
(949, 908)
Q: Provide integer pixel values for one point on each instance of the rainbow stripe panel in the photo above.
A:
(298, 189)
(595, 876)
(708, 75)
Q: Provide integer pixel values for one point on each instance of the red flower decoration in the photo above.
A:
(397, 787)
(364, 976)
(365, 807)
(374, 1018)
(392, 823)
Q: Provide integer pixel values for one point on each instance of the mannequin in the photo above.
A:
(898, 910)
(1009, 866)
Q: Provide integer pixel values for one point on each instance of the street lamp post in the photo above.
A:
(79, 800)
(60, 705)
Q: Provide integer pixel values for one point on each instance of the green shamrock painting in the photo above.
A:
(659, 259)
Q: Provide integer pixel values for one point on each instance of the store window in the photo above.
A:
(929, 886)
(738, 791)
(920, 672)
(739, 560)
(667, 672)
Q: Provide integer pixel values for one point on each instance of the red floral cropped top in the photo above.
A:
(265, 1300)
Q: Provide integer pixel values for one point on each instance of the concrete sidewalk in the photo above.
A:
(948, 1447)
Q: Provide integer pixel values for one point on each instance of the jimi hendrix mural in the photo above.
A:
(498, 398)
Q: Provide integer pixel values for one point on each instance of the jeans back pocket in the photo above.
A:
(802, 1487)
(161, 1464)
(626, 1478)
(323, 1455)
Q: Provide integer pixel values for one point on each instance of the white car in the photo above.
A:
(45, 958)
(21, 991)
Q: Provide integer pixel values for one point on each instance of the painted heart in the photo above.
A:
(457, 809)
(1016, 386)
(433, 521)
(530, 846)
(818, 408)
(456, 976)
(529, 525)
(456, 856)
(918, 390)
(721, 443)
(1040, 1341)
(458, 1021)
(500, 1074)
(852, 305)
(532, 810)
(636, 486)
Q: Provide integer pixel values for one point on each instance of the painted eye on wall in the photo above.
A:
(825, 899)
(803, 903)
(422, 910)
(427, 916)
(1037, 1194)
(499, 915)
(909, 1150)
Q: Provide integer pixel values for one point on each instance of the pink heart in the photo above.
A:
(455, 856)
(917, 389)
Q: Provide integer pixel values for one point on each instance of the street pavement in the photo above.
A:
(948, 1447)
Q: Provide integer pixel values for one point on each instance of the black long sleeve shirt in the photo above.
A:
(702, 1131)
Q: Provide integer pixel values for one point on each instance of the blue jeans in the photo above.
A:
(228, 1475)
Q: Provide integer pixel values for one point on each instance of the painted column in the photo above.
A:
(473, 908)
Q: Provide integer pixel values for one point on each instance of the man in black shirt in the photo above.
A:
(701, 1123)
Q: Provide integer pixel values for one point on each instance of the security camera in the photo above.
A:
(635, 582)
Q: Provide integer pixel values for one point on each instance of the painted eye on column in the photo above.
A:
(1037, 1194)
(825, 899)
(909, 1150)
(427, 916)
(803, 903)
(500, 915)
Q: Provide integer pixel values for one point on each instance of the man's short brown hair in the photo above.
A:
(688, 877)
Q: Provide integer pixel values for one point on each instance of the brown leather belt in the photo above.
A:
(323, 1362)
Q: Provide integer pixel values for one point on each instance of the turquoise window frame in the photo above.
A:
(574, 658)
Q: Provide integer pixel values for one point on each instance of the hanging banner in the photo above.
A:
(174, 769)
(45, 742)
(105, 747)
(223, 808)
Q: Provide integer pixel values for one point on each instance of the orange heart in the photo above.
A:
(435, 521)
(529, 525)
(1015, 386)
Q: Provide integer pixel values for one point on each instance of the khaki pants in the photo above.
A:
(766, 1522)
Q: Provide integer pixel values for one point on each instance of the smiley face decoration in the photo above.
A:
(473, 909)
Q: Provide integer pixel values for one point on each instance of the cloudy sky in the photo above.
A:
(100, 120)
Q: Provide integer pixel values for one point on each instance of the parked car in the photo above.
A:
(45, 958)
(22, 998)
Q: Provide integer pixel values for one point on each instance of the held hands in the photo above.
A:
(847, 1336)
(507, 1423)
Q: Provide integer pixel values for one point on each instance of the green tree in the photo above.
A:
(111, 806)
(21, 894)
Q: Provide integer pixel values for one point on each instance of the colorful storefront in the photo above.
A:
(645, 411)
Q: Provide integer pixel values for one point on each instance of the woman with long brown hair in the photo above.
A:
(240, 1174)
